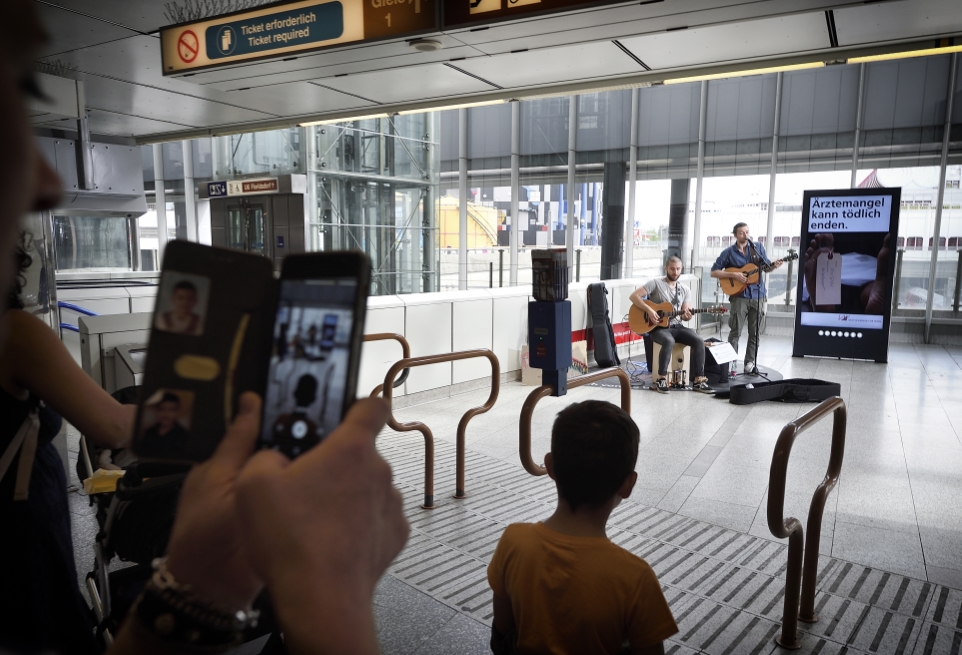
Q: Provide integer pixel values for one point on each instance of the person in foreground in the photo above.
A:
(561, 586)
(669, 289)
(318, 531)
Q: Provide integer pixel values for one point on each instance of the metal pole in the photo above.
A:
(490, 275)
(788, 284)
(515, 190)
(958, 282)
(572, 160)
(190, 202)
(501, 267)
(898, 279)
(858, 122)
(937, 232)
(700, 174)
(463, 198)
(770, 228)
(160, 202)
(629, 266)
(578, 266)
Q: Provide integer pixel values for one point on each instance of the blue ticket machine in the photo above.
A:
(549, 341)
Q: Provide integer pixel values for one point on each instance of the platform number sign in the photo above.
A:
(482, 6)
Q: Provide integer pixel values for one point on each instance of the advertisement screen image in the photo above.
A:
(309, 363)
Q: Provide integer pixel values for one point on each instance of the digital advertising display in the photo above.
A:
(846, 271)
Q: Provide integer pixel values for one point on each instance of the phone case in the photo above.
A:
(209, 342)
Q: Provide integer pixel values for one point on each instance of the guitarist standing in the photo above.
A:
(749, 305)
(668, 289)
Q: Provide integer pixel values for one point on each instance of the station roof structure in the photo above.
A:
(555, 47)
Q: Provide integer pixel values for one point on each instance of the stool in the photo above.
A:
(680, 358)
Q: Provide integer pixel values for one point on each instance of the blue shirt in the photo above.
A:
(731, 257)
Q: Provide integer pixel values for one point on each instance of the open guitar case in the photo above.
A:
(606, 354)
(791, 390)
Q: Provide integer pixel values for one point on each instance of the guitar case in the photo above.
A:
(606, 354)
(792, 390)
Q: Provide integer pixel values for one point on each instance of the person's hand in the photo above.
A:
(740, 277)
(776, 264)
(654, 318)
(321, 530)
(686, 315)
(873, 293)
(820, 243)
(205, 549)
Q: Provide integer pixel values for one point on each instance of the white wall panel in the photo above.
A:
(384, 314)
(427, 327)
(509, 321)
(472, 327)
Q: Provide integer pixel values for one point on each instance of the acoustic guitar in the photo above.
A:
(732, 286)
(640, 323)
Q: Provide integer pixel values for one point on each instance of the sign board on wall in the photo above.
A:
(223, 189)
(846, 270)
(286, 29)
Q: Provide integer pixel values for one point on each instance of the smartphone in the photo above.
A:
(209, 342)
(315, 348)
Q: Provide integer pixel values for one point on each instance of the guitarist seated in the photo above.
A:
(668, 289)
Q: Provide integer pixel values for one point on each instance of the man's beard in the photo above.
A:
(672, 277)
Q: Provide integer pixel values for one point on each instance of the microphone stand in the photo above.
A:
(758, 307)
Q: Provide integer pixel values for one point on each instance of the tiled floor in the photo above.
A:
(891, 565)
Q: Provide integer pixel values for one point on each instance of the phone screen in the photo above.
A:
(310, 358)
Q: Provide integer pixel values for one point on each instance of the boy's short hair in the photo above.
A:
(738, 226)
(594, 446)
(185, 285)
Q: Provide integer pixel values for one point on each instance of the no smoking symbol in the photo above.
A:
(187, 47)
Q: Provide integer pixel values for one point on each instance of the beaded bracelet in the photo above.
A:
(172, 613)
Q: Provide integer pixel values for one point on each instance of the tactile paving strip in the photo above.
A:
(725, 588)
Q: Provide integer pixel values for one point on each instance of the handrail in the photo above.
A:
(388, 387)
(69, 326)
(799, 575)
(76, 308)
(405, 353)
(527, 410)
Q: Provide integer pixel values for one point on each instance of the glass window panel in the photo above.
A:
(91, 243)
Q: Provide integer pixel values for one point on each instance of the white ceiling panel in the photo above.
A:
(408, 84)
(721, 43)
(294, 99)
(632, 20)
(898, 20)
(147, 102)
(69, 30)
(134, 59)
(102, 122)
(141, 16)
(552, 65)
(376, 56)
(311, 68)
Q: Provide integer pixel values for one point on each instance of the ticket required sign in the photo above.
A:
(286, 28)
(846, 271)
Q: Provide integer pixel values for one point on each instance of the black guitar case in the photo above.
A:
(606, 354)
(792, 390)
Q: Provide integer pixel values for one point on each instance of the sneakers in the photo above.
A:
(701, 386)
(661, 386)
(750, 368)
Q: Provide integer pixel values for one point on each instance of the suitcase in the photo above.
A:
(606, 354)
(792, 390)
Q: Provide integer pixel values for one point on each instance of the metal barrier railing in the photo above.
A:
(76, 308)
(798, 575)
(387, 388)
(527, 410)
(405, 354)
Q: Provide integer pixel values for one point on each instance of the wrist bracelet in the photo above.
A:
(172, 613)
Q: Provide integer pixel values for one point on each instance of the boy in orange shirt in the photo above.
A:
(561, 586)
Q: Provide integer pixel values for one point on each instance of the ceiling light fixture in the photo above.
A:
(746, 73)
(346, 119)
(465, 105)
(426, 45)
(927, 52)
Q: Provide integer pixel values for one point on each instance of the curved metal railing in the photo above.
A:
(405, 354)
(527, 410)
(799, 575)
(387, 388)
(76, 308)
